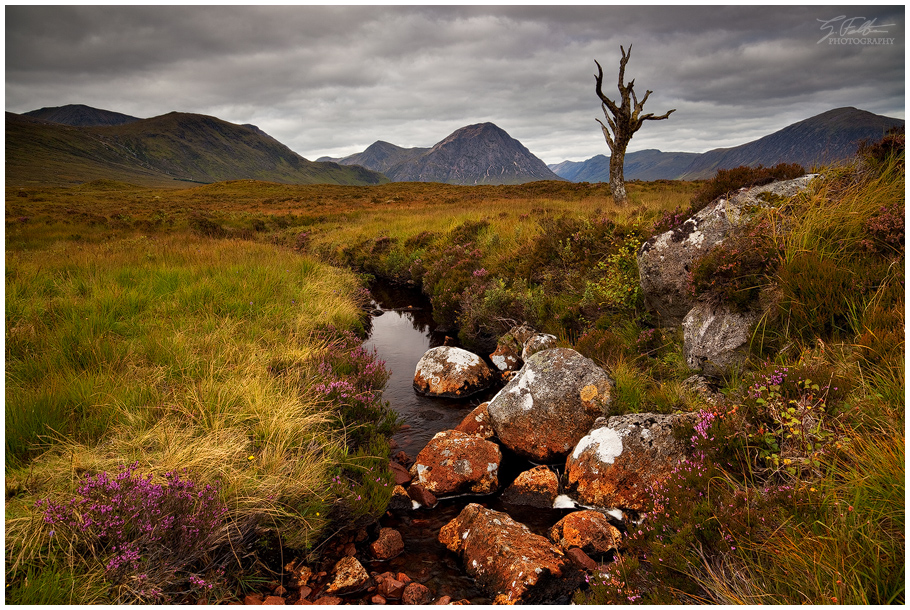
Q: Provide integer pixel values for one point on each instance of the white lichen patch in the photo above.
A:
(616, 513)
(605, 441)
(524, 382)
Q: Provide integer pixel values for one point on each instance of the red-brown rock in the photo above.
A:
(253, 599)
(442, 601)
(401, 474)
(378, 600)
(273, 600)
(614, 465)
(455, 463)
(422, 495)
(550, 404)
(588, 530)
(391, 588)
(415, 594)
(537, 487)
(506, 559)
(581, 559)
(388, 545)
(328, 600)
(451, 372)
(477, 422)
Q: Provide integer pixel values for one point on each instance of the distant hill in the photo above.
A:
(820, 140)
(79, 115)
(159, 151)
(650, 164)
(380, 156)
(476, 154)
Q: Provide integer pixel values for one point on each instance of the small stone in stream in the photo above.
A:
(328, 600)
(403, 458)
(415, 594)
(388, 545)
(422, 495)
(279, 590)
(401, 474)
(400, 499)
(273, 600)
(403, 578)
(252, 599)
(391, 588)
(361, 535)
(582, 559)
(350, 549)
(378, 600)
(349, 577)
(305, 592)
(442, 601)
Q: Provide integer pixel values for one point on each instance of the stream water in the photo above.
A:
(400, 336)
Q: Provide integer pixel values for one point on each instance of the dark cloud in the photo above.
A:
(332, 80)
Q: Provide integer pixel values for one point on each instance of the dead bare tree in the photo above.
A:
(625, 122)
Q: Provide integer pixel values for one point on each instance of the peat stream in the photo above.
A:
(400, 336)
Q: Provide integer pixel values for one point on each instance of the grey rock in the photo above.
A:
(664, 261)
(716, 337)
(537, 342)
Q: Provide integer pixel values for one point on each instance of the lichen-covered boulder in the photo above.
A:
(451, 372)
(388, 545)
(622, 456)
(537, 487)
(508, 561)
(716, 337)
(550, 404)
(455, 463)
(588, 530)
(477, 422)
(505, 358)
(664, 261)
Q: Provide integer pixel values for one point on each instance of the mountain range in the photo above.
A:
(77, 143)
(820, 140)
(476, 154)
(155, 152)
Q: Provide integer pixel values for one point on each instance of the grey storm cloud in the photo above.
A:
(329, 80)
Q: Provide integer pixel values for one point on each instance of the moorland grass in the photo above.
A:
(557, 256)
(160, 351)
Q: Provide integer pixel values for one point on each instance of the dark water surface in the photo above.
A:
(400, 336)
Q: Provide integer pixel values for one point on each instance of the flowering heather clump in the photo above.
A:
(141, 530)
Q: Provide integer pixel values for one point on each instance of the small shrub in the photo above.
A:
(734, 271)
(727, 181)
(150, 537)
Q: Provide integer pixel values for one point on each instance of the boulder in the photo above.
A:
(664, 261)
(588, 530)
(537, 487)
(716, 337)
(401, 474)
(537, 343)
(477, 422)
(349, 577)
(451, 372)
(508, 561)
(621, 457)
(550, 404)
(455, 463)
(388, 545)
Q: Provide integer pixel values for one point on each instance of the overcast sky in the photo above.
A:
(331, 81)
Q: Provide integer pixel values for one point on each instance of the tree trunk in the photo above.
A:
(617, 180)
